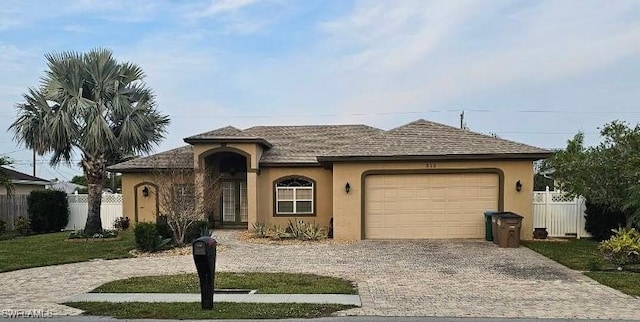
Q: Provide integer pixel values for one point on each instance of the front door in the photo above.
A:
(234, 203)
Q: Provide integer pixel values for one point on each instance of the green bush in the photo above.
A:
(3, 226)
(22, 225)
(314, 232)
(48, 210)
(600, 221)
(148, 239)
(197, 229)
(623, 248)
(260, 230)
(163, 227)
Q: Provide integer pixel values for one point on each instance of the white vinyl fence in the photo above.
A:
(79, 206)
(563, 216)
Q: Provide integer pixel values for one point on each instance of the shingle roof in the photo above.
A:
(181, 157)
(226, 134)
(311, 144)
(423, 138)
(302, 144)
(17, 176)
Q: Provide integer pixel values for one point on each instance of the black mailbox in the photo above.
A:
(204, 255)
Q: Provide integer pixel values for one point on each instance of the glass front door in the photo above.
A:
(234, 202)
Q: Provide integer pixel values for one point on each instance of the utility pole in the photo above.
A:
(462, 120)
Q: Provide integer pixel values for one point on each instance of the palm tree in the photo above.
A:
(92, 104)
(5, 180)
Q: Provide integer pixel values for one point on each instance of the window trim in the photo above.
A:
(313, 187)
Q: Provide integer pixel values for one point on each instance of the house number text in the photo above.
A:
(430, 165)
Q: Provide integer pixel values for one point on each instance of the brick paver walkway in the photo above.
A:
(395, 278)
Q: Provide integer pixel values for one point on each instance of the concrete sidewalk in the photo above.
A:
(242, 298)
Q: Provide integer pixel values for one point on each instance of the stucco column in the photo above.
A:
(252, 198)
(199, 178)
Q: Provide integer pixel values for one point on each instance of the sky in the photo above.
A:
(535, 72)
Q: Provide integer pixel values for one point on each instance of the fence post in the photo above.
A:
(546, 209)
(576, 199)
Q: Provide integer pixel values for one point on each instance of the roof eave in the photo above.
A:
(265, 143)
(139, 169)
(497, 156)
(31, 182)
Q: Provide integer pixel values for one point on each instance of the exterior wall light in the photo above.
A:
(145, 191)
(518, 186)
(347, 187)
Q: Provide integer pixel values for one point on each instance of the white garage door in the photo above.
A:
(428, 205)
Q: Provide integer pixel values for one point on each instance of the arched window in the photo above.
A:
(294, 196)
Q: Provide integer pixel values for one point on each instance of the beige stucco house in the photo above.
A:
(23, 183)
(419, 180)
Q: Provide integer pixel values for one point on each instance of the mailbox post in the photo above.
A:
(204, 256)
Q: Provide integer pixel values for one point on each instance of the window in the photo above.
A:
(294, 196)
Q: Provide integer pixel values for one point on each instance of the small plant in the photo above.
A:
(296, 228)
(314, 232)
(22, 225)
(278, 232)
(196, 229)
(260, 230)
(3, 226)
(623, 248)
(148, 239)
(122, 223)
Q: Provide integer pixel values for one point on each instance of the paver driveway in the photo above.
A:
(395, 278)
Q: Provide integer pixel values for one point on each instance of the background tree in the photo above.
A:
(5, 180)
(92, 104)
(607, 174)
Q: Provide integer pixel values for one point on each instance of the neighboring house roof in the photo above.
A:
(423, 138)
(23, 178)
(67, 187)
(311, 144)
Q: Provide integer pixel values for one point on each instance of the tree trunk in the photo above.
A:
(95, 171)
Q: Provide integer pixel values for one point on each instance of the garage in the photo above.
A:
(428, 205)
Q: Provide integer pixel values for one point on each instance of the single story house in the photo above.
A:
(419, 180)
(23, 183)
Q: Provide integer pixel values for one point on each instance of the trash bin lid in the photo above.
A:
(507, 214)
(490, 212)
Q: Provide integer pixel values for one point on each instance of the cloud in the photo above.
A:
(225, 6)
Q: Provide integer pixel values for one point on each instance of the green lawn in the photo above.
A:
(627, 282)
(52, 249)
(578, 254)
(265, 283)
(221, 310)
(583, 255)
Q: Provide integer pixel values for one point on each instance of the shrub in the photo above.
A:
(623, 248)
(278, 232)
(22, 226)
(600, 220)
(148, 239)
(260, 230)
(196, 229)
(163, 227)
(122, 223)
(314, 232)
(296, 228)
(3, 226)
(48, 210)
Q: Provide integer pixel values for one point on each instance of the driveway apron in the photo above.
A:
(395, 278)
